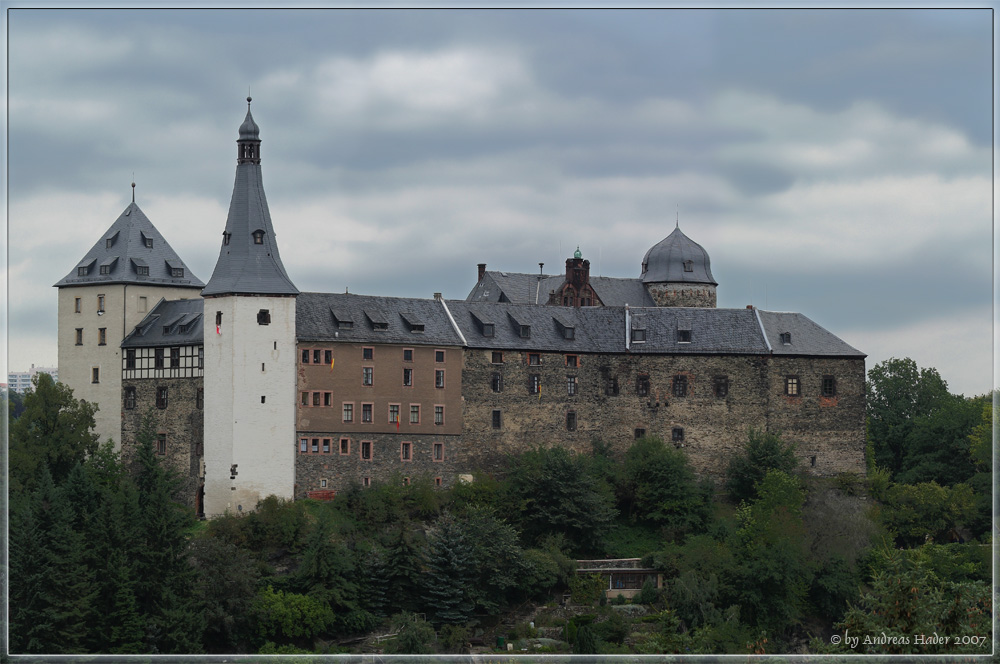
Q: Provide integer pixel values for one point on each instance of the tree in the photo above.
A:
(447, 584)
(765, 451)
(498, 562)
(226, 589)
(404, 560)
(289, 617)
(55, 430)
(897, 393)
(413, 636)
(917, 513)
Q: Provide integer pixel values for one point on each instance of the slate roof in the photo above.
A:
(807, 338)
(244, 266)
(665, 261)
(352, 318)
(523, 288)
(595, 329)
(712, 331)
(185, 319)
(128, 250)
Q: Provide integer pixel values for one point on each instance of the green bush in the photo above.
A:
(454, 638)
(648, 594)
(587, 588)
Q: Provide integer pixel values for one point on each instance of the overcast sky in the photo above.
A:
(832, 162)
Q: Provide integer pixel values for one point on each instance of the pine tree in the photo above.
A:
(404, 560)
(450, 574)
(326, 569)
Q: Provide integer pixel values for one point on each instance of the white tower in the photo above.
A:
(249, 351)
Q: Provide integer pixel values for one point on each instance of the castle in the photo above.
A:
(256, 388)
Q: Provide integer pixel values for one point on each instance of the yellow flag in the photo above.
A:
(332, 360)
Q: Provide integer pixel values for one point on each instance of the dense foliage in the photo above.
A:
(103, 560)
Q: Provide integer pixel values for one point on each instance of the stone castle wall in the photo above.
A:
(682, 295)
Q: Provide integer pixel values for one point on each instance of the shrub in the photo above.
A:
(587, 588)
(648, 594)
(764, 451)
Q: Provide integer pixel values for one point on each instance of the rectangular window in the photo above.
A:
(345, 446)
(680, 386)
(534, 383)
(142, 270)
(305, 356)
(348, 413)
(611, 386)
(571, 421)
(405, 452)
(497, 357)
(407, 377)
(179, 272)
(200, 398)
(105, 269)
(326, 446)
(792, 386)
(639, 433)
(82, 271)
(406, 481)
(316, 398)
(161, 444)
(367, 353)
(571, 360)
(439, 451)
(496, 382)
(366, 450)
(161, 397)
(201, 357)
(394, 413)
(638, 335)
(328, 357)
(367, 376)
(439, 356)
(130, 358)
(496, 419)
(437, 481)
(366, 481)
(571, 385)
(303, 445)
(322, 484)
(100, 303)
(487, 329)
(829, 386)
(79, 336)
(305, 399)
(407, 354)
(414, 414)
(263, 316)
(95, 375)
(316, 355)
(142, 304)
(439, 415)
(129, 398)
(315, 446)
(158, 358)
(102, 336)
(534, 359)
(720, 386)
(366, 413)
(677, 435)
(439, 378)
(525, 331)
(683, 336)
(175, 358)
(77, 304)
(328, 399)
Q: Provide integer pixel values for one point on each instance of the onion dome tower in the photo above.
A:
(677, 273)
(249, 351)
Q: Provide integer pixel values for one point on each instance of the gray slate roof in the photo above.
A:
(665, 261)
(712, 331)
(185, 319)
(523, 288)
(128, 250)
(352, 318)
(244, 266)
(807, 338)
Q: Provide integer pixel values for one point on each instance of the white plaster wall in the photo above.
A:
(258, 437)
(121, 314)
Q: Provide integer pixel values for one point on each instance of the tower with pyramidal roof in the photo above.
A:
(249, 350)
(114, 286)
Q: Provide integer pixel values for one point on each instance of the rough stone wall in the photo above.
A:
(682, 295)
(714, 427)
(182, 421)
(341, 471)
(831, 429)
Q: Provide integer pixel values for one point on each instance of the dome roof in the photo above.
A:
(677, 258)
(249, 129)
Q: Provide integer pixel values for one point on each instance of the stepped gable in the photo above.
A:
(170, 323)
(805, 337)
(373, 319)
(249, 263)
(132, 251)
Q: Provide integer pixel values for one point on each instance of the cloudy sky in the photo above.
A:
(832, 162)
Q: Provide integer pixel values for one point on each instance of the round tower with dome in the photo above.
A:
(677, 273)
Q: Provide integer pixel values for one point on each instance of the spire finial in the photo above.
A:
(677, 210)
(133, 186)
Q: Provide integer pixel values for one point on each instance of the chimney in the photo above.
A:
(482, 272)
(437, 296)
(749, 306)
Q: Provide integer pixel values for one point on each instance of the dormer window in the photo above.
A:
(488, 329)
(142, 270)
(225, 238)
(786, 338)
(525, 331)
(569, 333)
(105, 269)
(176, 272)
(258, 237)
(639, 335)
(82, 271)
(380, 326)
(683, 336)
(110, 242)
(689, 266)
(147, 241)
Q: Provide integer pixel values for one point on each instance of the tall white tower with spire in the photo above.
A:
(249, 351)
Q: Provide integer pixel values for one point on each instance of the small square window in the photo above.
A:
(792, 386)
(367, 353)
(497, 357)
(177, 272)
(439, 356)
(534, 359)
(684, 336)
(105, 269)
(638, 335)
(680, 386)
(571, 421)
(437, 481)
(488, 329)
(149, 242)
(829, 386)
(786, 338)
(689, 266)
(407, 354)
(639, 433)
(264, 317)
(366, 481)
(571, 360)
(439, 451)
(496, 419)
(525, 331)
(82, 271)
(258, 237)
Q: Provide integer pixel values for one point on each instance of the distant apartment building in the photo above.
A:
(20, 381)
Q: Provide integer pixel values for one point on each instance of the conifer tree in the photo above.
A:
(450, 573)
(404, 560)
(326, 569)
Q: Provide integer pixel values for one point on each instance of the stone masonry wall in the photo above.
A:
(341, 470)
(182, 422)
(682, 295)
